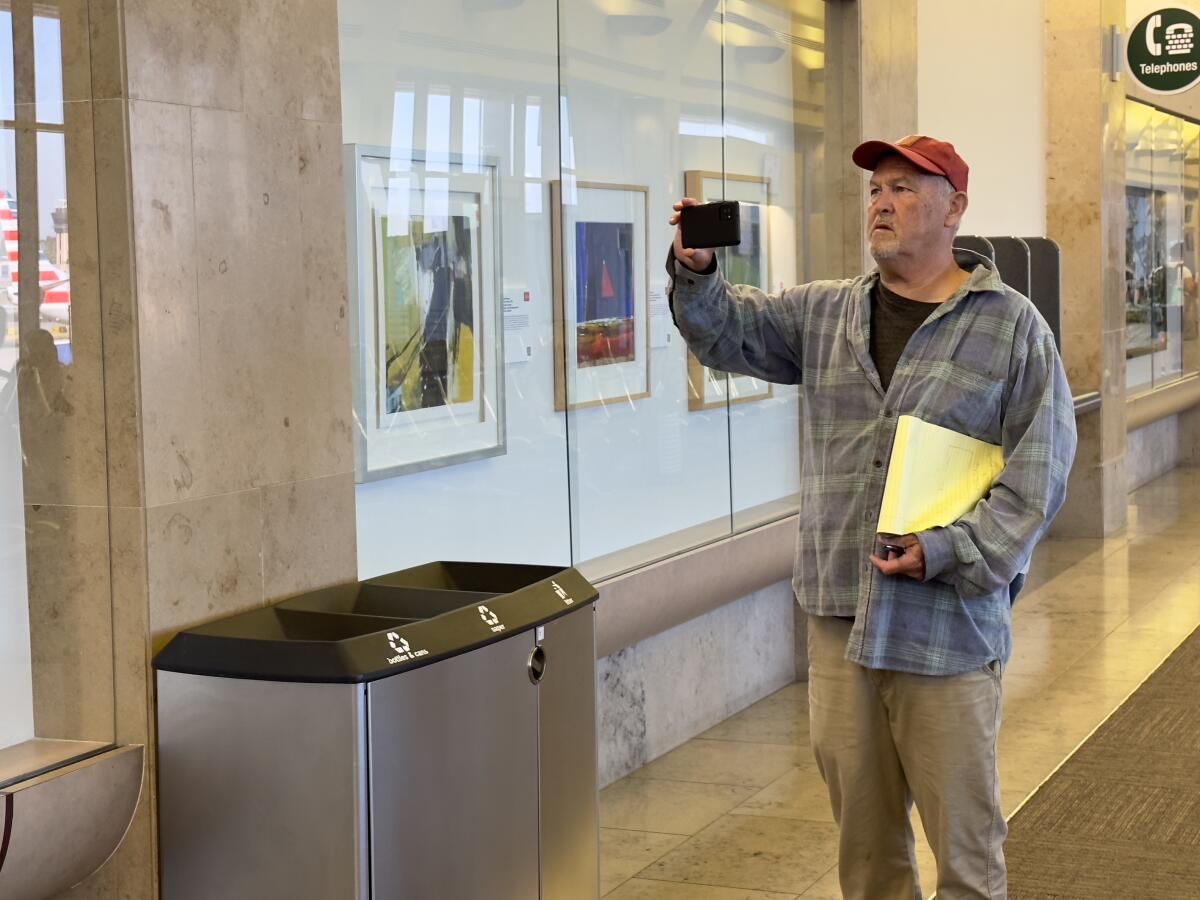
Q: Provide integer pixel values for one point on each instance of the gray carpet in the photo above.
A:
(1121, 818)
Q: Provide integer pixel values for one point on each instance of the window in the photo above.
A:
(523, 394)
(1162, 190)
(55, 603)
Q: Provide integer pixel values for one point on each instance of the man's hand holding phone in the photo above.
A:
(900, 555)
(695, 259)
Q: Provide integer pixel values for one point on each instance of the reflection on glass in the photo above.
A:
(437, 133)
(47, 54)
(52, 450)
(456, 395)
(1162, 189)
(775, 120)
(403, 110)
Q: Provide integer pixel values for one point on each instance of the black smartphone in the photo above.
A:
(892, 548)
(711, 225)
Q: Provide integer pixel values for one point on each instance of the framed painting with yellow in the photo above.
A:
(427, 368)
(747, 263)
(601, 276)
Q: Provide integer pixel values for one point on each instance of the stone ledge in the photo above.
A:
(648, 601)
(61, 826)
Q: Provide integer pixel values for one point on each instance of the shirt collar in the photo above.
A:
(984, 275)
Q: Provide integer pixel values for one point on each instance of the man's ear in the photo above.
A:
(958, 206)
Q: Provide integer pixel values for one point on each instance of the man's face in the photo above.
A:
(909, 210)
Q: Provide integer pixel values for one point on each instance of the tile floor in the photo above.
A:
(740, 813)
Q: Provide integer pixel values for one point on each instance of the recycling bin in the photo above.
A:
(428, 735)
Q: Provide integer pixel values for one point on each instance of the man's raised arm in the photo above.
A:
(733, 328)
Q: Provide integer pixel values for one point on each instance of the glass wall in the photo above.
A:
(56, 680)
(521, 391)
(1162, 189)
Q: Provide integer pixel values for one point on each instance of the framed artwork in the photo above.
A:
(424, 283)
(601, 278)
(747, 263)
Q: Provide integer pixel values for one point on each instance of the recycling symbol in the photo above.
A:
(399, 644)
(489, 617)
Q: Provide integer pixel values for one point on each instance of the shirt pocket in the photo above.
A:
(965, 400)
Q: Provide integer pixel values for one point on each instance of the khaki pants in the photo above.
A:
(884, 740)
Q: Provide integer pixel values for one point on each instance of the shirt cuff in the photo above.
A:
(938, 548)
(682, 271)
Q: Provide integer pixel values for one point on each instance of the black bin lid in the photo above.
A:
(371, 629)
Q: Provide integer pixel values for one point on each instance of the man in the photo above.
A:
(905, 649)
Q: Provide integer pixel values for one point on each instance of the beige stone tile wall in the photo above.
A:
(1085, 215)
(871, 92)
(225, 396)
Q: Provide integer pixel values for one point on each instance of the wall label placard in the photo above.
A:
(1162, 51)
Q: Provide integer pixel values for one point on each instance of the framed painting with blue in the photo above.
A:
(600, 257)
(428, 371)
(747, 263)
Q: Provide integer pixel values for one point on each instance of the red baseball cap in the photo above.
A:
(926, 153)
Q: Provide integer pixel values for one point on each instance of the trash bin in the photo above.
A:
(428, 735)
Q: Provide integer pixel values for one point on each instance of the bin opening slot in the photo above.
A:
(492, 578)
(277, 623)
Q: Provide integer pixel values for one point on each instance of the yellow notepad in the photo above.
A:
(936, 476)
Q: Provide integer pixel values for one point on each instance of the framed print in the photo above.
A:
(601, 326)
(747, 263)
(424, 280)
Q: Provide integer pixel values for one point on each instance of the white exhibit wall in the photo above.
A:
(16, 680)
(981, 86)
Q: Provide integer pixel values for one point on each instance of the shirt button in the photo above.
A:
(690, 281)
(878, 463)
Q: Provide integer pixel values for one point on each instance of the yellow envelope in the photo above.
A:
(936, 476)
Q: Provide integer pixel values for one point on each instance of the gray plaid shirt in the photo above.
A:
(984, 364)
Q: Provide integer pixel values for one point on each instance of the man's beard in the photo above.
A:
(884, 249)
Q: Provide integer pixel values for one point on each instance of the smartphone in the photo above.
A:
(892, 548)
(711, 225)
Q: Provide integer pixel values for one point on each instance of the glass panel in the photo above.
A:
(775, 131)
(1162, 177)
(1190, 318)
(1168, 284)
(56, 672)
(450, 125)
(16, 673)
(7, 99)
(521, 391)
(642, 107)
(1141, 258)
(47, 52)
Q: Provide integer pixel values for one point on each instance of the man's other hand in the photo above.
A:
(911, 563)
(696, 260)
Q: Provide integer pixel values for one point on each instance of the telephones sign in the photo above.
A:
(1163, 51)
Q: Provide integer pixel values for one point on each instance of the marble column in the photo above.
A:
(226, 354)
(871, 91)
(1085, 215)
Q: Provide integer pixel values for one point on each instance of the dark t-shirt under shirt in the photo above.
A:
(893, 321)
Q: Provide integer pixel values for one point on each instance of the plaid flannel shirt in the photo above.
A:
(984, 364)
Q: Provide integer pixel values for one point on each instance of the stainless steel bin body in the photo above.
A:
(447, 757)
(261, 789)
(567, 760)
(454, 780)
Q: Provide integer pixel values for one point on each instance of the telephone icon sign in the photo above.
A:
(1181, 38)
(1162, 53)
(1152, 27)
